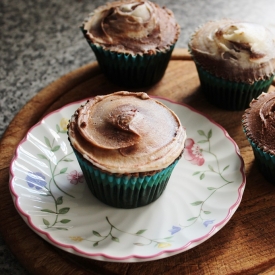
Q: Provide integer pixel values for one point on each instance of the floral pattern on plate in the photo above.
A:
(50, 194)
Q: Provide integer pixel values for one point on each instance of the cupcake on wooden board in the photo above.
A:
(133, 41)
(127, 145)
(259, 127)
(235, 61)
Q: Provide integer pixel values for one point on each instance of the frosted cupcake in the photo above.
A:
(235, 61)
(127, 145)
(259, 127)
(133, 41)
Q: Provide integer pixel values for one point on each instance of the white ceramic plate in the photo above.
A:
(203, 193)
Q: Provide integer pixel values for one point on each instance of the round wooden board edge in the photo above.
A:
(21, 239)
(18, 238)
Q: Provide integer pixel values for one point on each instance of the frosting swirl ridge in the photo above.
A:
(240, 51)
(127, 132)
(133, 26)
(267, 114)
(259, 121)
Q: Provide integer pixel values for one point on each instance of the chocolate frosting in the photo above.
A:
(234, 50)
(132, 26)
(127, 132)
(259, 121)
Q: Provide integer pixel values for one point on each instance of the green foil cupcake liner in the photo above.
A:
(264, 161)
(225, 94)
(124, 191)
(131, 71)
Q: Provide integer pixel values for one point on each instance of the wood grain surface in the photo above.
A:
(246, 245)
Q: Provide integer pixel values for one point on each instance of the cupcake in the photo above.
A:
(132, 40)
(259, 127)
(127, 145)
(235, 61)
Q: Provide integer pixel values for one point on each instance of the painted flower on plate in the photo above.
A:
(193, 152)
(76, 239)
(63, 123)
(174, 229)
(163, 245)
(36, 180)
(75, 177)
(206, 223)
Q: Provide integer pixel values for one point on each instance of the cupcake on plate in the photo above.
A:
(235, 61)
(133, 41)
(127, 145)
(259, 128)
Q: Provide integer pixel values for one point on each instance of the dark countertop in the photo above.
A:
(41, 41)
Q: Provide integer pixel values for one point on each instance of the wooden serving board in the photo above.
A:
(246, 245)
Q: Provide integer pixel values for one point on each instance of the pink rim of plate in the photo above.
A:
(131, 258)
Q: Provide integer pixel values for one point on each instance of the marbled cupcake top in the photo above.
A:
(259, 122)
(132, 26)
(234, 50)
(127, 132)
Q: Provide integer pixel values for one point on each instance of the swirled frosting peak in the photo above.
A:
(141, 12)
(132, 26)
(127, 132)
(238, 51)
(259, 121)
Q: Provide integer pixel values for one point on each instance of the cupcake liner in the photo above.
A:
(132, 71)
(124, 191)
(230, 95)
(264, 161)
